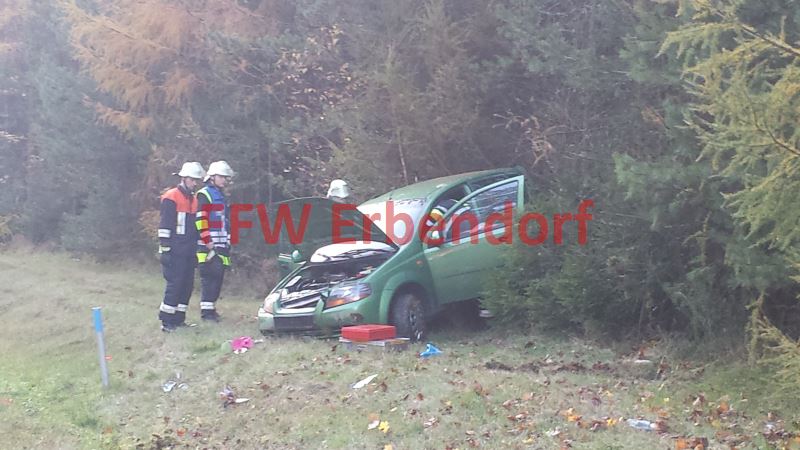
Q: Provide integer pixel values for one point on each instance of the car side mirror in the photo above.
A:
(297, 257)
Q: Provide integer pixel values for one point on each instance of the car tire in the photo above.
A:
(408, 317)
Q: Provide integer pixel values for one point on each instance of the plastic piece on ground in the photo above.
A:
(169, 385)
(364, 382)
(229, 397)
(641, 424)
(430, 350)
(241, 344)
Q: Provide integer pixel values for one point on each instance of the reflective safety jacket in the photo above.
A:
(212, 224)
(175, 230)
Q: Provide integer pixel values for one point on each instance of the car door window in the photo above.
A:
(471, 217)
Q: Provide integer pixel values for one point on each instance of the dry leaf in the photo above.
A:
(571, 416)
(693, 443)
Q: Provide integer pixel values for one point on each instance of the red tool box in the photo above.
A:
(365, 333)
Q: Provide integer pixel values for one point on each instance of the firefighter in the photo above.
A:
(178, 237)
(338, 191)
(213, 245)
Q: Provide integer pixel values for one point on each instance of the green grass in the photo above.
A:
(299, 389)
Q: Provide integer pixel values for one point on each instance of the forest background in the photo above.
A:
(677, 117)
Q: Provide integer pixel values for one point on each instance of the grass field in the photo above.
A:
(489, 389)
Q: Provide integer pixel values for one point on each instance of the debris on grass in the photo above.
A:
(430, 350)
(640, 424)
(241, 344)
(228, 397)
(365, 381)
(174, 382)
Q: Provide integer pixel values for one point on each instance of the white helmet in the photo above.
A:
(191, 170)
(338, 189)
(219, 168)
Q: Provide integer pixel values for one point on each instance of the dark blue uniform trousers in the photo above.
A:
(178, 270)
(212, 272)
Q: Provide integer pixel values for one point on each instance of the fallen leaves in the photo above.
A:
(693, 443)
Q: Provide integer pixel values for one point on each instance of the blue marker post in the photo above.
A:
(101, 347)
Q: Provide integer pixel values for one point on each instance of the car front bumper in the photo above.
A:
(317, 321)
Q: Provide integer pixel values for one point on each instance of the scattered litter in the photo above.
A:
(229, 397)
(170, 384)
(242, 344)
(553, 432)
(641, 424)
(374, 424)
(430, 350)
(364, 382)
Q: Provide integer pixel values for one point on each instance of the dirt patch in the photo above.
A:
(494, 365)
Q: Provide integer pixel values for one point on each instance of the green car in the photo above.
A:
(370, 265)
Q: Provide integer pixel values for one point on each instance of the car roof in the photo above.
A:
(433, 187)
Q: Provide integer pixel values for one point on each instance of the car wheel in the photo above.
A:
(408, 317)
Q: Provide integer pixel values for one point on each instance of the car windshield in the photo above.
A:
(399, 209)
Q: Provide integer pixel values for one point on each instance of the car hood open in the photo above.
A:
(319, 230)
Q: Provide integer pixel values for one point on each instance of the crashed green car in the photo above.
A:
(370, 265)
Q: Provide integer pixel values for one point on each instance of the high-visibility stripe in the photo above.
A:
(204, 191)
(163, 249)
(207, 305)
(167, 309)
(203, 257)
(180, 227)
(164, 233)
(182, 307)
(215, 240)
(202, 224)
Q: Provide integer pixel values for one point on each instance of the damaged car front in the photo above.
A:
(337, 285)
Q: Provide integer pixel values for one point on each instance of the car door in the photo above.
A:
(468, 249)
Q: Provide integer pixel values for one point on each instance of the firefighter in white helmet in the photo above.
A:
(214, 243)
(338, 191)
(178, 238)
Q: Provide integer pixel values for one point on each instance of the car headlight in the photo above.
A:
(269, 302)
(342, 295)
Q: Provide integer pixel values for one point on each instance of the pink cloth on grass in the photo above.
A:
(242, 342)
